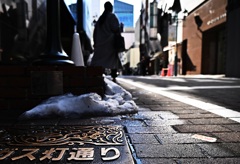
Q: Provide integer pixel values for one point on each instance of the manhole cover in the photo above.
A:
(64, 144)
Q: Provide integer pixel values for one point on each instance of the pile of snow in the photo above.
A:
(117, 101)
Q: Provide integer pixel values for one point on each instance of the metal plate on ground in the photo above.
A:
(64, 144)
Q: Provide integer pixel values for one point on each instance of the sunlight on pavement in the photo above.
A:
(219, 110)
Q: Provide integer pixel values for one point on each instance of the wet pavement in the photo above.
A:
(163, 131)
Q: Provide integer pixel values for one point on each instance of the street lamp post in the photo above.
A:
(141, 35)
(176, 51)
(54, 53)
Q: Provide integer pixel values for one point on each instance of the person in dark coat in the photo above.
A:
(105, 54)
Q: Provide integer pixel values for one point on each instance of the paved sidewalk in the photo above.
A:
(168, 131)
(163, 131)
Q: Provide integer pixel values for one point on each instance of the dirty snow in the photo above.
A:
(117, 101)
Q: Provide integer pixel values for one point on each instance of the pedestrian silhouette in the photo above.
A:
(105, 53)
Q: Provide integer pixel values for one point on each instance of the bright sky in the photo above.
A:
(69, 2)
(135, 3)
(185, 4)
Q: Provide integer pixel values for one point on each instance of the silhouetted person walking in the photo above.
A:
(105, 54)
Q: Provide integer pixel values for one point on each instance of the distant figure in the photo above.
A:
(142, 66)
(105, 54)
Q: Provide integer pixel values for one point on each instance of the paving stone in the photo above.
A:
(168, 151)
(167, 108)
(178, 138)
(171, 104)
(155, 115)
(166, 115)
(138, 102)
(188, 111)
(151, 130)
(144, 109)
(152, 107)
(193, 107)
(157, 161)
(152, 102)
(235, 127)
(228, 136)
(127, 123)
(199, 115)
(208, 161)
(146, 115)
(212, 121)
(143, 139)
(165, 99)
(222, 149)
(200, 128)
(166, 122)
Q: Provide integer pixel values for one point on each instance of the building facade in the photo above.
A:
(204, 46)
(124, 13)
(233, 39)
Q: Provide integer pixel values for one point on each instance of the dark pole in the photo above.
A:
(141, 29)
(54, 54)
(176, 8)
(176, 52)
(146, 24)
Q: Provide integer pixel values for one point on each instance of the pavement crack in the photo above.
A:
(158, 139)
(204, 151)
(134, 155)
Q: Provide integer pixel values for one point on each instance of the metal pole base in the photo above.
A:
(52, 62)
(54, 53)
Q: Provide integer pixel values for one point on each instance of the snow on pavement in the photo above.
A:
(116, 101)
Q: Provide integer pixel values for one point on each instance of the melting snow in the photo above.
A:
(116, 101)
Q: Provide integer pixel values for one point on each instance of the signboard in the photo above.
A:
(65, 144)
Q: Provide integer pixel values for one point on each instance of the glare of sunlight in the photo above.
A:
(219, 110)
(69, 2)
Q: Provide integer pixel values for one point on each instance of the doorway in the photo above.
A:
(214, 51)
